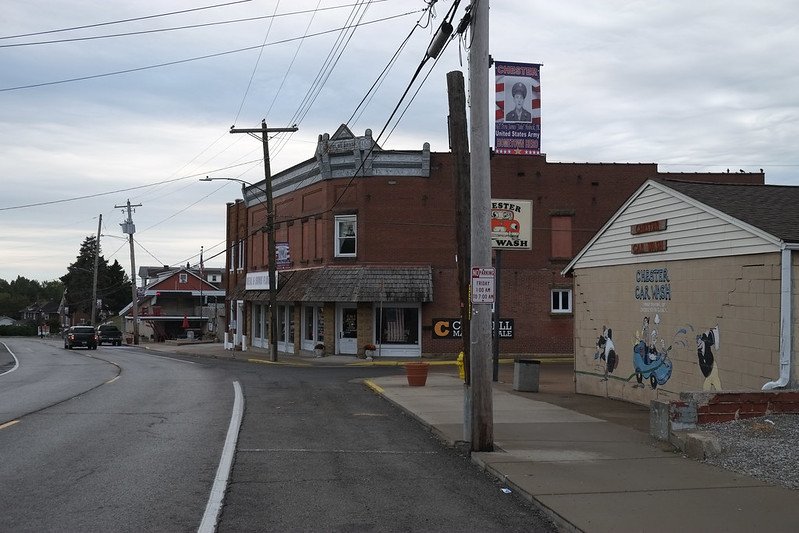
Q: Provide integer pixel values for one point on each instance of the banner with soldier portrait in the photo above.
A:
(518, 112)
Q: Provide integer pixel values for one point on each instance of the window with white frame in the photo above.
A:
(183, 278)
(561, 301)
(241, 255)
(346, 235)
(313, 325)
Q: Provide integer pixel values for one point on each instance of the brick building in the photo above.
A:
(367, 249)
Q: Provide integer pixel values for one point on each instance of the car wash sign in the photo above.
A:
(511, 224)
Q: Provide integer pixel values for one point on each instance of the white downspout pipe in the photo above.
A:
(786, 321)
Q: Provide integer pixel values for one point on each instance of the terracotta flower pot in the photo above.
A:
(416, 373)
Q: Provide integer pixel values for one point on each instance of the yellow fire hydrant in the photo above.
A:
(461, 371)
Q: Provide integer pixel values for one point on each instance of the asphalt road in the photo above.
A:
(119, 439)
(129, 442)
(319, 451)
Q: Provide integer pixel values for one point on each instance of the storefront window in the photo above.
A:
(398, 325)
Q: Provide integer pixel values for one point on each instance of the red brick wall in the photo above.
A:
(727, 406)
(411, 221)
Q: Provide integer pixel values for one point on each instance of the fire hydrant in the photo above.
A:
(461, 371)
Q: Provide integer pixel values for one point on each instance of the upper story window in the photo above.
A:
(241, 255)
(184, 278)
(346, 235)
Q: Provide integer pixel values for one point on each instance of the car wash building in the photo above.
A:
(689, 287)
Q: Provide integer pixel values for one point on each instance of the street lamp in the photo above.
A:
(270, 228)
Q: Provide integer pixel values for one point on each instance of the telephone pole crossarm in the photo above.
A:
(270, 225)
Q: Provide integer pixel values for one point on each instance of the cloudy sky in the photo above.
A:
(104, 102)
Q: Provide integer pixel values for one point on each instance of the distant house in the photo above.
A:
(176, 303)
(40, 312)
(7, 321)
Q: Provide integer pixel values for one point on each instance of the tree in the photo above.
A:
(22, 292)
(113, 285)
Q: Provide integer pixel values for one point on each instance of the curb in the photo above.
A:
(561, 523)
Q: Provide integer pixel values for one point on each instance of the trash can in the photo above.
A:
(525, 375)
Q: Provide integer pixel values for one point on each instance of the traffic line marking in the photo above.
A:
(8, 424)
(217, 496)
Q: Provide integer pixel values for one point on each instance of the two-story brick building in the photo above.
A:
(367, 249)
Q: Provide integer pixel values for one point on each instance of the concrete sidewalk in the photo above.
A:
(592, 475)
(588, 462)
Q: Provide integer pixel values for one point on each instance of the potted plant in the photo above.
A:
(369, 350)
(319, 350)
(416, 372)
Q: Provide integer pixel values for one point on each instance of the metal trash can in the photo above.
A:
(525, 375)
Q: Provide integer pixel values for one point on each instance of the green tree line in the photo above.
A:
(113, 286)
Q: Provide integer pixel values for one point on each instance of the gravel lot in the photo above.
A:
(764, 448)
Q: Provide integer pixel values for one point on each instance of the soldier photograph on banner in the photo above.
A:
(518, 110)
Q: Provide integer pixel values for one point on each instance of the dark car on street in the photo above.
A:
(109, 334)
(80, 336)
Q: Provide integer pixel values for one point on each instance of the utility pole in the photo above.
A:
(130, 229)
(459, 144)
(96, 258)
(270, 228)
(478, 423)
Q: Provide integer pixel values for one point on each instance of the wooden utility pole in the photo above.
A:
(270, 229)
(481, 426)
(129, 228)
(94, 282)
(459, 145)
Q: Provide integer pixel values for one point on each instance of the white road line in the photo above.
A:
(217, 496)
(16, 361)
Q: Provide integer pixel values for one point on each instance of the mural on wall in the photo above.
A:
(651, 354)
(606, 351)
(706, 343)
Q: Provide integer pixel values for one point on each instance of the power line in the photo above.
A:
(196, 58)
(174, 28)
(257, 62)
(123, 21)
(87, 196)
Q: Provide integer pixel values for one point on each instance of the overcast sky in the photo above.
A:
(693, 86)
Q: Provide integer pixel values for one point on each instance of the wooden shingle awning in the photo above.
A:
(352, 284)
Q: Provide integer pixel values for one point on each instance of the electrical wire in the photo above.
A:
(196, 58)
(257, 62)
(291, 63)
(123, 21)
(84, 197)
(174, 28)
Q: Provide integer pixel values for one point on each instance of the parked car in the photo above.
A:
(110, 334)
(80, 336)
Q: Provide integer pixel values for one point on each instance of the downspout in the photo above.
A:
(786, 321)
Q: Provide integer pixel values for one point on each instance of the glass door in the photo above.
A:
(348, 329)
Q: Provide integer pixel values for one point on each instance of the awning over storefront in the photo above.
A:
(351, 284)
